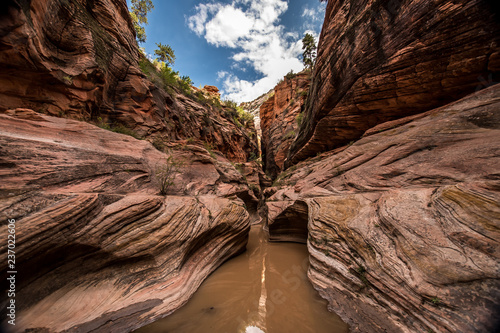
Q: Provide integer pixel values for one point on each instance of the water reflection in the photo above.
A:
(263, 290)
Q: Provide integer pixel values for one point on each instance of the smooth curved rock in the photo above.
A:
(288, 224)
(96, 247)
(79, 59)
(404, 223)
(383, 60)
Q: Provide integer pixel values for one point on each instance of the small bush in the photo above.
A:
(185, 84)
(436, 301)
(253, 188)
(244, 117)
(209, 148)
(169, 76)
(166, 173)
(164, 76)
(117, 128)
(290, 134)
(230, 103)
(270, 96)
(229, 113)
(290, 75)
(201, 98)
(158, 143)
(236, 122)
(68, 79)
(216, 102)
(146, 66)
(125, 130)
(299, 119)
(239, 167)
(102, 124)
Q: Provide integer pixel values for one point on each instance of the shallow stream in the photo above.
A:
(264, 289)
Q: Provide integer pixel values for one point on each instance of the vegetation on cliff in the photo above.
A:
(139, 14)
(309, 47)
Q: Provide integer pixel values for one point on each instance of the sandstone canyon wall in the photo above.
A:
(392, 180)
(403, 225)
(79, 59)
(382, 60)
(98, 248)
(278, 120)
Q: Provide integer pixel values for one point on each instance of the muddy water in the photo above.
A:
(263, 290)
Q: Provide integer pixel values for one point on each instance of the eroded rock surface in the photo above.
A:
(253, 108)
(404, 223)
(278, 120)
(382, 60)
(97, 249)
(79, 59)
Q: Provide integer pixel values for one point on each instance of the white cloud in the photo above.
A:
(313, 17)
(252, 29)
(309, 12)
(222, 74)
(197, 22)
(227, 27)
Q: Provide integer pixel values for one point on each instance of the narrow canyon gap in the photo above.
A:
(130, 189)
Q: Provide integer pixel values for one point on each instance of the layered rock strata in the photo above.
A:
(253, 108)
(279, 120)
(403, 225)
(383, 60)
(79, 59)
(97, 247)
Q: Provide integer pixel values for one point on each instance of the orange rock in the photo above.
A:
(212, 90)
(278, 121)
(403, 225)
(94, 240)
(386, 60)
(61, 60)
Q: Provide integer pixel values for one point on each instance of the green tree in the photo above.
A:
(165, 54)
(309, 47)
(187, 80)
(139, 14)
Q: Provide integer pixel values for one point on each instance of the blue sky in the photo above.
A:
(241, 46)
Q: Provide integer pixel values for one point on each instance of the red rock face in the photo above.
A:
(79, 59)
(253, 108)
(278, 121)
(383, 60)
(95, 241)
(67, 57)
(402, 226)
